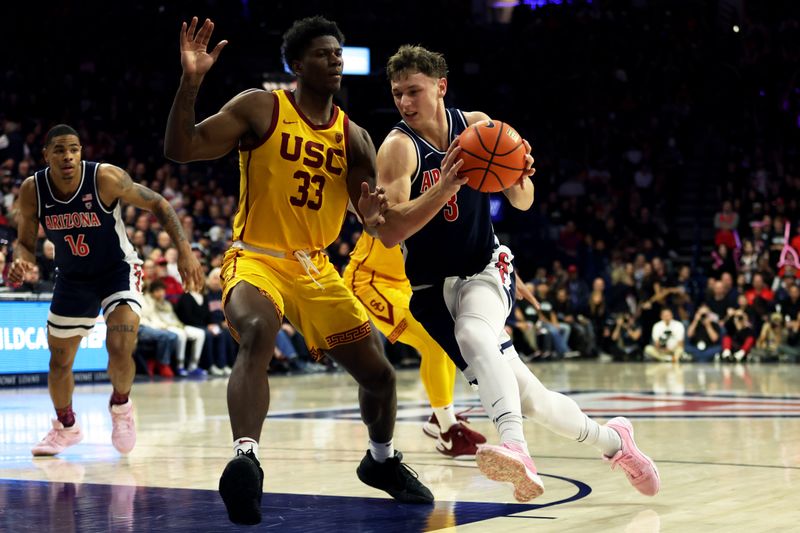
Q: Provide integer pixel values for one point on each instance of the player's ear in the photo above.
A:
(442, 87)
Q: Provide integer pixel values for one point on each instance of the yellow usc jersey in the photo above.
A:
(293, 186)
(371, 255)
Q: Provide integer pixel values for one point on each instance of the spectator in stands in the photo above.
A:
(722, 261)
(558, 331)
(748, 260)
(157, 307)
(720, 300)
(667, 339)
(704, 336)
(739, 337)
(759, 289)
(172, 287)
(166, 345)
(782, 285)
(774, 334)
(163, 241)
(625, 336)
(522, 329)
(581, 337)
(726, 222)
(139, 242)
(791, 349)
(192, 309)
(598, 314)
(578, 291)
(790, 305)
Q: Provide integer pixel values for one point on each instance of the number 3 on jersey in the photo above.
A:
(429, 178)
(78, 246)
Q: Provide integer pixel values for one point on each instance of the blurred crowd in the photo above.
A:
(627, 105)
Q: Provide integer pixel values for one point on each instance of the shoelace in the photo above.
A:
(622, 462)
(404, 468)
(308, 265)
(55, 436)
(123, 422)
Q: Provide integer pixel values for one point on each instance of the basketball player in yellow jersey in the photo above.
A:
(301, 162)
(377, 277)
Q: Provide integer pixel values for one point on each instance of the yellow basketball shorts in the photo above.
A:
(387, 300)
(327, 316)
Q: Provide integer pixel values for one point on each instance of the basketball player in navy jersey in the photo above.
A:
(463, 278)
(78, 204)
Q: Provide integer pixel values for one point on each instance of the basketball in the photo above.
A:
(493, 155)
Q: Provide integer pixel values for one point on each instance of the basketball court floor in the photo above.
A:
(726, 440)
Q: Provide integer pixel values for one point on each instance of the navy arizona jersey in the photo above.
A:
(89, 237)
(457, 241)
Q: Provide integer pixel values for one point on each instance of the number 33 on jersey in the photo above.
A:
(294, 184)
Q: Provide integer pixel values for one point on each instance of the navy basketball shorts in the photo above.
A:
(77, 302)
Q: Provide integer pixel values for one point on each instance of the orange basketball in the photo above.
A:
(493, 154)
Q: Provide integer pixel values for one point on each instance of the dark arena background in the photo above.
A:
(665, 135)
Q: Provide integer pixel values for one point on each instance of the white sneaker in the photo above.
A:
(216, 371)
(228, 370)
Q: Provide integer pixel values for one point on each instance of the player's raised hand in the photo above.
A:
(372, 205)
(195, 58)
(451, 164)
(191, 272)
(16, 274)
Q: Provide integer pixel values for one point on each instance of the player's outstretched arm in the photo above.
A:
(396, 164)
(214, 137)
(115, 184)
(27, 232)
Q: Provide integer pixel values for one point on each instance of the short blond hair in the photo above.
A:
(415, 58)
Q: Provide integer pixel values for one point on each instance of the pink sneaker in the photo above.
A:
(510, 462)
(640, 469)
(123, 432)
(57, 439)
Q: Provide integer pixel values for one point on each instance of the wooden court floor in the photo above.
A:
(726, 440)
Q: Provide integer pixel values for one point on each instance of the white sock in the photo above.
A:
(479, 321)
(243, 445)
(603, 438)
(560, 413)
(446, 416)
(381, 450)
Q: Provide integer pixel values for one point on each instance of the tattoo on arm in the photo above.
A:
(168, 219)
(146, 194)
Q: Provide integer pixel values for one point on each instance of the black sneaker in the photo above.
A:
(241, 486)
(394, 477)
